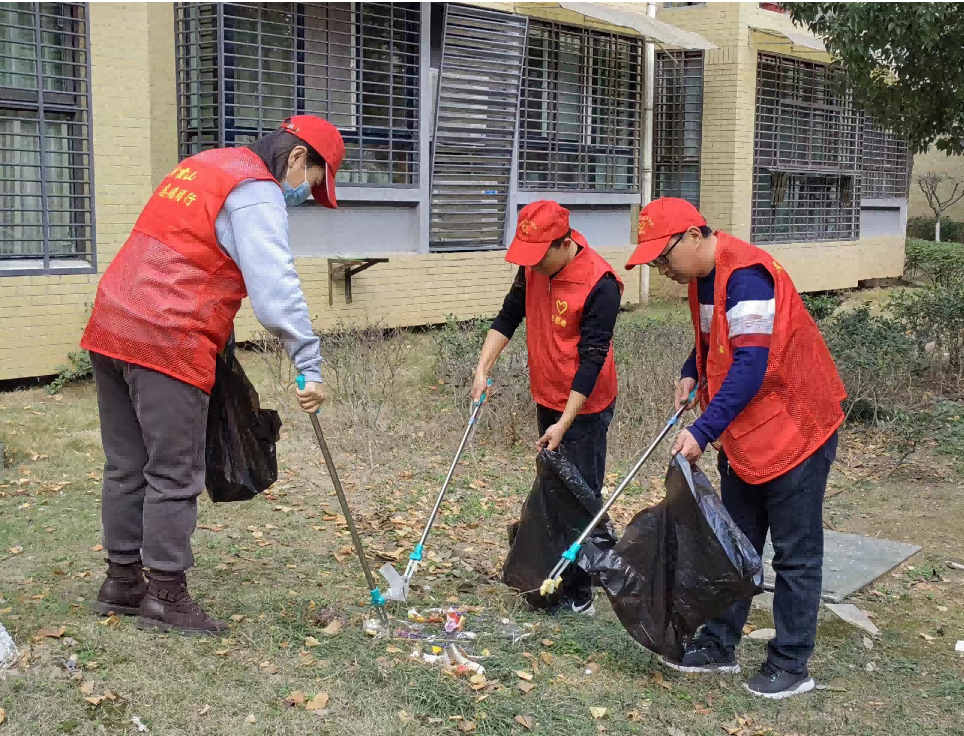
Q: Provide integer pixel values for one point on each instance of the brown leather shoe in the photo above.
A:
(122, 591)
(169, 607)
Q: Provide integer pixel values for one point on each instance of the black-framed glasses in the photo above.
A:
(663, 258)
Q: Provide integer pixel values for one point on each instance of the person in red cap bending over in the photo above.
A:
(213, 232)
(771, 404)
(569, 297)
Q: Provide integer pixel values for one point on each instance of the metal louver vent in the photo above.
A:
(483, 52)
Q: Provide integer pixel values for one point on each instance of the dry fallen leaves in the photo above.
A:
(319, 702)
(405, 717)
(525, 722)
(205, 710)
(311, 641)
(251, 718)
(526, 687)
(333, 628)
(3, 715)
(658, 680)
(546, 658)
(237, 618)
(296, 698)
(51, 633)
(547, 642)
(597, 712)
(97, 548)
(523, 675)
(87, 688)
(467, 727)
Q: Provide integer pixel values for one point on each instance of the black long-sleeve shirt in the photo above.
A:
(596, 332)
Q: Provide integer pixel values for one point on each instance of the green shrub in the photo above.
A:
(933, 263)
(822, 304)
(923, 228)
(934, 316)
(875, 359)
(78, 369)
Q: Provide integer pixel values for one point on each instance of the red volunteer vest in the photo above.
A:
(168, 299)
(553, 324)
(798, 406)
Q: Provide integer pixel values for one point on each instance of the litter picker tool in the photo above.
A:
(551, 583)
(378, 601)
(399, 584)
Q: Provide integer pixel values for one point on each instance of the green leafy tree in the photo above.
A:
(903, 61)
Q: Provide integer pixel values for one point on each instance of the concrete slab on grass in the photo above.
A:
(850, 562)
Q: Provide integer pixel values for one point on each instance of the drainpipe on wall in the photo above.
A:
(646, 141)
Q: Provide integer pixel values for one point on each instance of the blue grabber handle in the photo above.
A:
(573, 552)
(679, 415)
(300, 380)
(416, 555)
(479, 403)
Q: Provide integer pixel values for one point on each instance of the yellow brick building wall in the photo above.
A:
(419, 290)
(42, 317)
(135, 146)
(726, 173)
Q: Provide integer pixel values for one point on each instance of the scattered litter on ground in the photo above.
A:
(8, 650)
(959, 647)
(853, 615)
(438, 625)
(763, 634)
(453, 659)
(376, 629)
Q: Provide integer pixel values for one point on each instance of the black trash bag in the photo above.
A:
(559, 507)
(678, 565)
(240, 454)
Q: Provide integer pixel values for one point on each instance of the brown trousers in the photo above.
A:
(153, 430)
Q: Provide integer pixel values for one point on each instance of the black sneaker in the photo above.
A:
(705, 657)
(776, 684)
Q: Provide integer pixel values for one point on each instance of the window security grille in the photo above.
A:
(883, 161)
(245, 67)
(45, 138)
(678, 125)
(579, 123)
(806, 179)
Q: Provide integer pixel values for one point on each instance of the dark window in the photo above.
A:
(579, 123)
(244, 68)
(806, 179)
(45, 141)
(678, 125)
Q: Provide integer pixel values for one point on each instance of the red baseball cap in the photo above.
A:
(540, 223)
(659, 221)
(326, 140)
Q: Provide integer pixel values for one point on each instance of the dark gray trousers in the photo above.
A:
(153, 430)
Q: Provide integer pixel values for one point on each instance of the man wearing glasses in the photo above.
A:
(771, 405)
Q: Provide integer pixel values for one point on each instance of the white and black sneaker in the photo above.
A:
(776, 684)
(705, 657)
(584, 608)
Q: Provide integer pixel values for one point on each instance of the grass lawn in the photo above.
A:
(274, 566)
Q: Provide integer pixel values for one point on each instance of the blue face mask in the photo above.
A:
(294, 197)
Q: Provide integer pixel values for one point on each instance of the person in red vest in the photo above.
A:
(771, 403)
(569, 297)
(213, 232)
